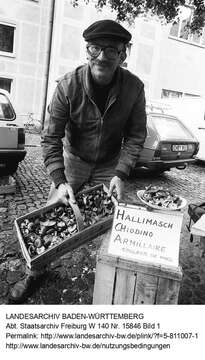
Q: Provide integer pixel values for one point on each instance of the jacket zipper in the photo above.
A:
(101, 124)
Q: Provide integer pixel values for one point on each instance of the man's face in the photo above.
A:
(104, 63)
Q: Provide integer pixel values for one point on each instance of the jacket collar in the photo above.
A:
(88, 84)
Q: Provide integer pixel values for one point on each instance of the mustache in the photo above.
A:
(102, 62)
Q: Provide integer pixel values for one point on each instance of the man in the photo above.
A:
(95, 108)
(96, 124)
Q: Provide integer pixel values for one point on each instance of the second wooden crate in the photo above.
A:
(120, 281)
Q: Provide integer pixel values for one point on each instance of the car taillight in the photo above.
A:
(165, 147)
(157, 152)
(21, 138)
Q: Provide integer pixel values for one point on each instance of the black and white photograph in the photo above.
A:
(102, 173)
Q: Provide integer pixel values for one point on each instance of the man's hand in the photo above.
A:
(65, 193)
(116, 184)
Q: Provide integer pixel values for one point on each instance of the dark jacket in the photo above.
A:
(94, 137)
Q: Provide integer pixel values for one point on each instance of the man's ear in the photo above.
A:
(123, 56)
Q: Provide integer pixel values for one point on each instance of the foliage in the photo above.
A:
(167, 11)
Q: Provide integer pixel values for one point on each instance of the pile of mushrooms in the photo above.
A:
(94, 206)
(49, 229)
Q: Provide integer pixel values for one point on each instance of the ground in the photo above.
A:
(70, 279)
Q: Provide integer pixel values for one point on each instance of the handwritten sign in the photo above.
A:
(150, 236)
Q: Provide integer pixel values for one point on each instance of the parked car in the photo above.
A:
(12, 137)
(191, 111)
(169, 143)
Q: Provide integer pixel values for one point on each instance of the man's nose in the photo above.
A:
(102, 55)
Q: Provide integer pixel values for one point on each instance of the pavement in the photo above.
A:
(70, 279)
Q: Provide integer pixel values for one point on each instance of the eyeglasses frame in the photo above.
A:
(102, 48)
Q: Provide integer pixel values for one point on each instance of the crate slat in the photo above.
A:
(103, 291)
(146, 289)
(168, 291)
(124, 287)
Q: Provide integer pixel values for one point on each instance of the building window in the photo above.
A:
(171, 94)
(5, 84)
(176, 94)
(7, 33)
(180, 31)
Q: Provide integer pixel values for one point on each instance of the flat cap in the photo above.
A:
(107, 29)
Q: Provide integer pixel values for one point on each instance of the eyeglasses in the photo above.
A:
(110, 52)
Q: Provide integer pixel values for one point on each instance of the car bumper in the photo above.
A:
(167, 163)
(11, 155)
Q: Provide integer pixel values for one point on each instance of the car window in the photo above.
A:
(6, 109)
(170, 128)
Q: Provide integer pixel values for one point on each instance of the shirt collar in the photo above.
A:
(88, 82)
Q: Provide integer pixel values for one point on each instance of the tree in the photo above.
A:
(167, 11)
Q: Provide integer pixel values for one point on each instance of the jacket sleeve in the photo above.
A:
(54, 130)
(134, 135)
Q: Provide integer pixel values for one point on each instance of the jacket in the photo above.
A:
(74, 117)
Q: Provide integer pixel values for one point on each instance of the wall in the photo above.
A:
(161, 62)
(180, 66)
(68, 47)
(27, 67)
(144, 57)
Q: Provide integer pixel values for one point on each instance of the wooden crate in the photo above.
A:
(7, 185)
(119, 281)
(65, 246)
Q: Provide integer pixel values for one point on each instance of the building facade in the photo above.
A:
(43, 40)
(24, 48)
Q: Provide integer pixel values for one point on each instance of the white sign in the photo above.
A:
(151, 236)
